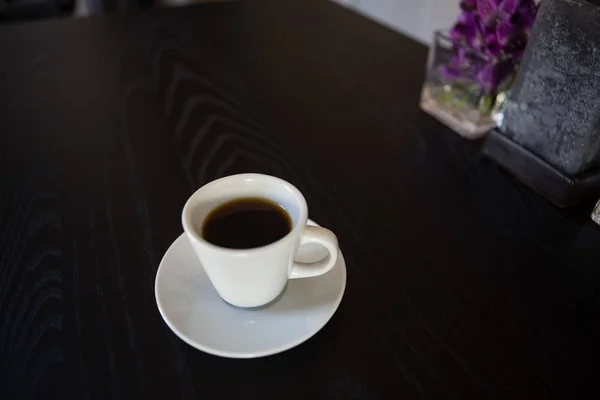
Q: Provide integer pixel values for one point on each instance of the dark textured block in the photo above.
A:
(553, 108)
(549, 136)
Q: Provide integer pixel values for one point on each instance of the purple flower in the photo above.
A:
(505, 31)
(525, 15)
(463, 64)
(508, 7)
(457, 67)
(492, 45)
(497, 30)
(465, 28)
(483, 19)
(461, 57)
(450, 73)
(491, 11)
(486, 10)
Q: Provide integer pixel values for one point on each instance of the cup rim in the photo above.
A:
(186, 216)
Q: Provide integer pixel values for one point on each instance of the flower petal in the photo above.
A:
(487, 9)
(509, 6)
(449, 73)
(492, 46)
(524, 15)
(505, 31)
(461, 57)
(464, 29)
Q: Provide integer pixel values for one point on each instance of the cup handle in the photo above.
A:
(325, 238)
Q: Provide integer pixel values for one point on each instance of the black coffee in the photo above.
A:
(246, 223)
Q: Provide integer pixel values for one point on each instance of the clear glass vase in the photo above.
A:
(458, 98)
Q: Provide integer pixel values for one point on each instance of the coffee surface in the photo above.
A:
(246, 223)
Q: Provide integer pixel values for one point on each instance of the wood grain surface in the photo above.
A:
(462, 283)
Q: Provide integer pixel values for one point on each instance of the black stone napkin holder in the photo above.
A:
(549, 135)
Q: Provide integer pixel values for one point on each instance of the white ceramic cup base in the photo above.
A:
(193, 310)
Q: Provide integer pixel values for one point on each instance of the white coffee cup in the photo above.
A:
(255, 277)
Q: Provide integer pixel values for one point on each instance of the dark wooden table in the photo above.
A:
(462, 283)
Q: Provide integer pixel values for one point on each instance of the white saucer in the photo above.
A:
(193, 310)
